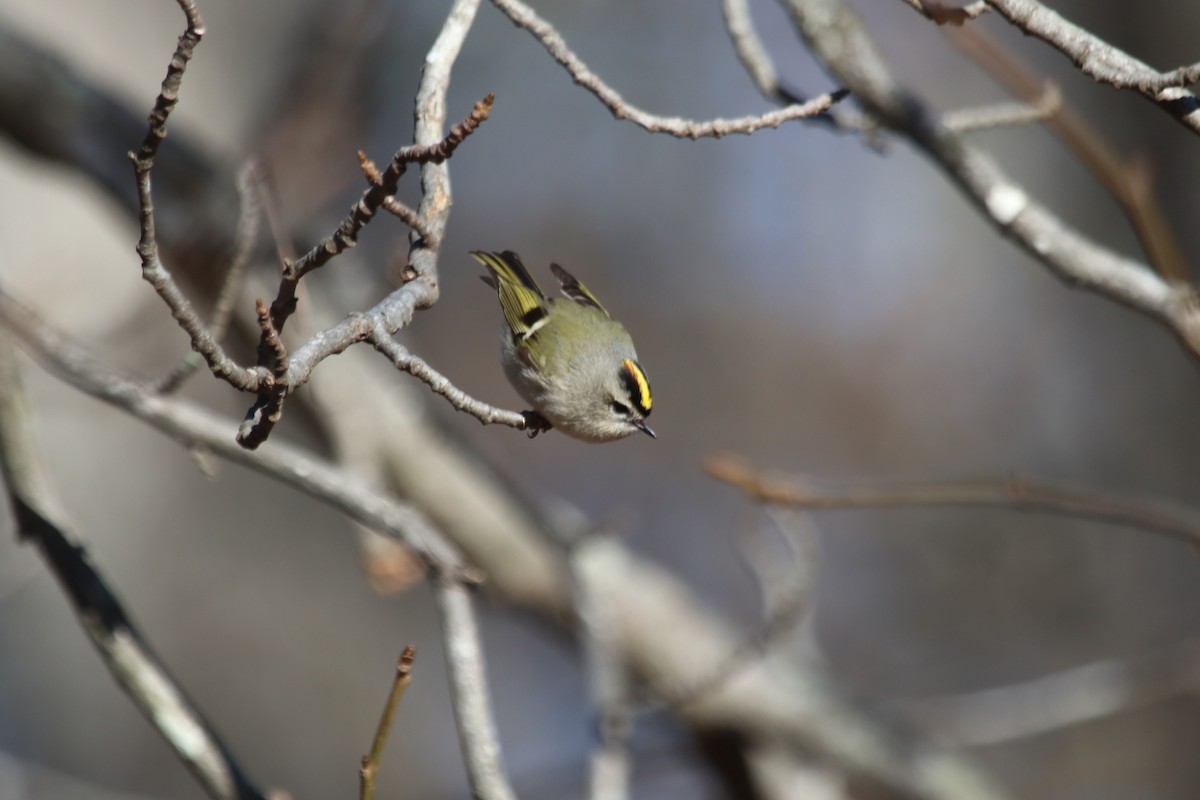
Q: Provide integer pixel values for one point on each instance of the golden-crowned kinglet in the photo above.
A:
(568, 358)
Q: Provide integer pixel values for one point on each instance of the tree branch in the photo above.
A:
(836, 35)
(525, 17)
(1107, 64)
(134, 667)
(1016, 493)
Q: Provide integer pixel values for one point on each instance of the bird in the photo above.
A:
(568, 358)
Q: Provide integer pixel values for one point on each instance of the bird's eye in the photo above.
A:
(620, 408)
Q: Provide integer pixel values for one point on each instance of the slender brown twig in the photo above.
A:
(369, 769)
(390, 204)
(1015, 492)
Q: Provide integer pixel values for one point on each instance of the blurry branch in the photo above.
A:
(836, 36)
(58, 112)
(193, 427)
(134, 667)
(944, 14)
(370, 762)
(786, 592)
(1015, 492)
(751, 50)
(1042, 108)
(525, 17)
(250, 180)
(1059, 700)
(477, 736)
(1129, 181)
(1107, 64)
(664, 632)
(608, 681)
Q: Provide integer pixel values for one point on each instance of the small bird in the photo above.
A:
(568, 358)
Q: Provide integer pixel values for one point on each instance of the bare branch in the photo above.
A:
(1107, 64)
(525, 17)
(1118, 175)
(1044, 107)
(1016, 493)
(153, 271)
(1062, 699)
(194, 426)
(786, 594)
(415, 366)
(261, 418)
(151, 688)
(406, 215)
(608, 680)
(477, 736)
(250, 179)
(837, 36)
(370, 762)
(943, 14)
(750, 48)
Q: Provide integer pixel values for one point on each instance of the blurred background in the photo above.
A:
(798, 297)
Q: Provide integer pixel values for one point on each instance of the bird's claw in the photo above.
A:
(535, 423)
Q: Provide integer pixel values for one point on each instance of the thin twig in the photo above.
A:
(525, 17)
(477, 735)
(151, 688)
(1016, 493)
(370, 762)
(1105, 63)
(402, 359)
(261, 418)
(1001, 115)
(390, 204)
(153, 271)
(752, 53)
(250, 178)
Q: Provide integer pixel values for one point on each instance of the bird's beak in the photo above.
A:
(644, 428)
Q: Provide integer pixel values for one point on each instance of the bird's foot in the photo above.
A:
(535, 423)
